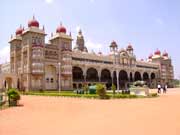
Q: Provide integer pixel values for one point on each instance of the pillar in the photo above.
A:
(99, 75)
(112, 78)
(117, 75)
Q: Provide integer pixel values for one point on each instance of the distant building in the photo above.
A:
(5, 68)
(55, 65)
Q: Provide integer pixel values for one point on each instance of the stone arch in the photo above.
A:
(74, 86)
(77, 74)
(145, 76)
(106, 77)
(153, 76)
(50, 77)
(92, 75)
(137, 76)
(123, 79)
(131, 77)
(80, 85)
(8, 83)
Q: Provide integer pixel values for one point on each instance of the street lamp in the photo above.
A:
(179, 81)
(59, 65)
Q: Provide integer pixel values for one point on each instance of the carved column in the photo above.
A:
(117, 75)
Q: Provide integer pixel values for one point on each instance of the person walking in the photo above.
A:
(159, 88)
(165, 88)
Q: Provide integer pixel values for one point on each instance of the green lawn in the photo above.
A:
(93, 96)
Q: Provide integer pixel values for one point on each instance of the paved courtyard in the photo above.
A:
(74, 116)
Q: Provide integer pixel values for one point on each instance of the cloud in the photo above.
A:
(159, 21)
(5, 54)
(78, 28)
(93, 46)
(49, 1)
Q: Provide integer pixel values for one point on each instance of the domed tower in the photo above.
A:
(33, 56)
(114, 52)
(80, 43)
(130, 49)
(113, 47)
(150, 58)
(63, 42)
(15, 49)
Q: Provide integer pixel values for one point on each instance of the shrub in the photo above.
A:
(101, 91)
(113, 87)
(153, 95)
(13, 94)
(13, 97)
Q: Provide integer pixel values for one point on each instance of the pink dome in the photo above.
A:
(19, 31)
(61, 29)
(113, 44)
(150, 56)
(157, 52)
(33, 23)
(129, 47)
(165, 54)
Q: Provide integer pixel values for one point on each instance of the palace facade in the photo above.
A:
(56, 65)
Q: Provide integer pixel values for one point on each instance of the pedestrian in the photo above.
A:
(159, 88)
(165, 88)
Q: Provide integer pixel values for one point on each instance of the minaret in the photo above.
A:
(15, 47)
(113, 47)
(130, 49)
(80, 42)
(64, 43)
(114, 52)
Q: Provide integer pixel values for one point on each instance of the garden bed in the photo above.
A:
(91, 96)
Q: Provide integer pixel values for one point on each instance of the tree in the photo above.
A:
(113, 87)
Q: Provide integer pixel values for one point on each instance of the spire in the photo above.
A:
(80, 32)
(33, 17)
(70, 34)
(51, 34)
(43, 28)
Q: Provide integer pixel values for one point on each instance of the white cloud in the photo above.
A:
(77, 28)
(5, 54)
(49, 1)
(93, 46)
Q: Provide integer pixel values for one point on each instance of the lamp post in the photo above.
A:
(179, 80)
(59, 65)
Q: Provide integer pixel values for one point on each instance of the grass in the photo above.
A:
(91, 96)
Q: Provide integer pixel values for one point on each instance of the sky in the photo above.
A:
(146, 24)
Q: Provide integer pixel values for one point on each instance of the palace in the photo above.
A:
(36, 65)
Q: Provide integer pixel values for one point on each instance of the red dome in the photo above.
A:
(129, 47)
(113, 44)
(19, 31)
(61, 29)
(157, 52)
(165, 54)
(99, 53)
(150, 56)
(33, 23)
